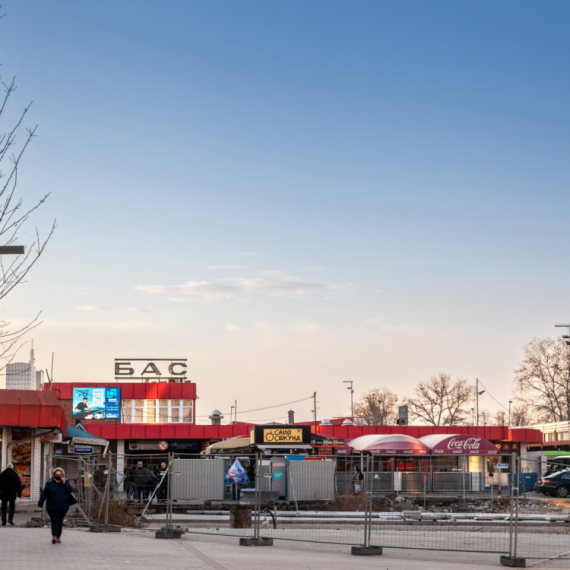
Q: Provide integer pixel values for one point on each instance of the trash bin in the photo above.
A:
(527, 481)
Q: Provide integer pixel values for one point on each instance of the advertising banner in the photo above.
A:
(97, 403)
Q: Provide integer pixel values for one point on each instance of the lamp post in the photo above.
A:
(566, 338)
(477, 394)
(351, 396)
(510, 402)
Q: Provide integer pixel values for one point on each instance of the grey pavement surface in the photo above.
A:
(25, 548)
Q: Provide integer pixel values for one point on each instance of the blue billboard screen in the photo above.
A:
(97, 403)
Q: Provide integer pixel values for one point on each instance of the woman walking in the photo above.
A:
(56, 496)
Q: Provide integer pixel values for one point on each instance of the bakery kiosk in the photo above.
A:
(28, 419)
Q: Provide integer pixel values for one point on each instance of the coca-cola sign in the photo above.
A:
(464, 445)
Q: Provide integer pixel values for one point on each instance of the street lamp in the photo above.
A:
(477, 394)
(566, 338)
(351, 396)
(510, 402)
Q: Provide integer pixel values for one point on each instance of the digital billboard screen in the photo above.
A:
(97, 403)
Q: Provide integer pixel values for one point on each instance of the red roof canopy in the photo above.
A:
(30, 408)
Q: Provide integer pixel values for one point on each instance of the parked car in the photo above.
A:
(557, 484)
(557, 464)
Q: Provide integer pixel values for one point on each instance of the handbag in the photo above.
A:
(71, 498)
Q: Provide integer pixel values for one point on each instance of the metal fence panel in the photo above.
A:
(311, 480)
(197, 479)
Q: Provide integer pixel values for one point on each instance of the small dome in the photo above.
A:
(347, 422)
(216, 413)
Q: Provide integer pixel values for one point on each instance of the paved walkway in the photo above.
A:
(25, 548)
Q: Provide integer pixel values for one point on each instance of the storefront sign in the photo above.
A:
(282, 435)
(81, 449)
(162, 445)
(97, 403)
(52, 438)
(502, 465)
(149, 368)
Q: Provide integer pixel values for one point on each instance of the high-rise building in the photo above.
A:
(23, 375)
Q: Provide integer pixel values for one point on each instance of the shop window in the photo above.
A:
(157, 411)
(563, 436)
(549, 437)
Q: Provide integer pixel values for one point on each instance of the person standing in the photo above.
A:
(162, 493)
(357, 477)
(143, 478)
(10, 488)
(56, 496)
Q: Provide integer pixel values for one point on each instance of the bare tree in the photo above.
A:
(441, 401)
(378, 407)
(522, 416)
(543, 379)
(14, 140)
(500, 418)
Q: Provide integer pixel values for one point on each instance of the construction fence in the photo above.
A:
(455, 503)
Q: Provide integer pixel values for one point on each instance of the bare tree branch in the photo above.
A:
(440, 401)
(377, 407)
(543, 380)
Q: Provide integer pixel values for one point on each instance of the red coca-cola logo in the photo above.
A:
(469, 444)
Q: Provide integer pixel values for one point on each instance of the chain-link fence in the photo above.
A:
(461, 503)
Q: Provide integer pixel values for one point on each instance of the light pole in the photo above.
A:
(510, 402)
(351, 397)
(566, 338)
(477, 394)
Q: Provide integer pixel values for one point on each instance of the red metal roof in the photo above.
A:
(131, 390)
(210, 432)
(29, 408)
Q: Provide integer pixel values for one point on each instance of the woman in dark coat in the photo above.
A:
(56, 496)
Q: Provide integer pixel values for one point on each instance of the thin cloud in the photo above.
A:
(94, 308)
(224, 267)
(268, 283)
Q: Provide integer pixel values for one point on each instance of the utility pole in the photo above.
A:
(510, 402)
(477, 394)
(566, 338)
(351, 397)
(315, 410)
(235, 412)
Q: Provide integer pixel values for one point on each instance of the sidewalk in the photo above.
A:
(25, 548)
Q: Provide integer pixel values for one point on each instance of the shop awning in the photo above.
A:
(459, 444)
(32, 409)
(240, 442)
(83, 437)
(389, 444)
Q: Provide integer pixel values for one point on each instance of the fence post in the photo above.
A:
(367, 549)
(512, 560)
(256, 540)
(168, 530)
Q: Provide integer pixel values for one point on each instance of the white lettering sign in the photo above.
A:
(148, 368)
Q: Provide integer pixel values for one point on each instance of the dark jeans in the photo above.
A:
(11, 501)
(56, 516)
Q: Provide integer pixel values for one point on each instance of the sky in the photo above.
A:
(294, 194)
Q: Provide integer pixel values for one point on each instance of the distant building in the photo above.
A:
(23, 375)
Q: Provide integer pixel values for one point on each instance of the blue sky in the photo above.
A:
(292, 194)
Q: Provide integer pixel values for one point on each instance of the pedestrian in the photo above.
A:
(142, 478)
(131, 485)
(357, 477)
(10, 488)
(163, 478)
(56, 497)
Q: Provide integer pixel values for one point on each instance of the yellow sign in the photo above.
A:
(528, 468)
(283, 435)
